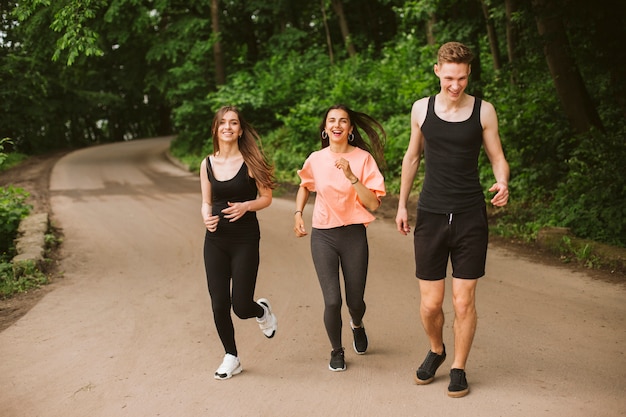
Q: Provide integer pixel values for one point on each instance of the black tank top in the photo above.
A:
(451, 150)
(235, 190)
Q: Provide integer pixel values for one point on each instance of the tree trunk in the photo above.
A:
(493, 38)
(477, 68)
(430, 33)
(569, 84)
(512, 37)
(218, 54)
(329, 42)
(512, 33)
(165, 120)
(343, 25)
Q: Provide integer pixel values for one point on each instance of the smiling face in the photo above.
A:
(229, 127)
(338, 126)
(453, 78)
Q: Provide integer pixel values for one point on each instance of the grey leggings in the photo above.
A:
(346, 247)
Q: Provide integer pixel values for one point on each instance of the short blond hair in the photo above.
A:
(454, 52)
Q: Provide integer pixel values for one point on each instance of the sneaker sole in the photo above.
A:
(336, 369)
(458, 394)
(222, 377)
(422, 381)
(419, 381)
(357, 352)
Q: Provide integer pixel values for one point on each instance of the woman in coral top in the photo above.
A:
(348, 186)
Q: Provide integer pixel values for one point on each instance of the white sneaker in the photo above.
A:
(268, 322)
(230, 366)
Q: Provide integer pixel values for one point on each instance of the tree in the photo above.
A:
(329, 42)
(569, 84)
(84, 98)
(218, 56)
(492, 36)
(343, 25)
(512, 36)
(72, 19)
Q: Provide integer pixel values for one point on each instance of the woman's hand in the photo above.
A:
(298, 227)
(344, 165)
(235, 211)
(211, 223)
(366, 197)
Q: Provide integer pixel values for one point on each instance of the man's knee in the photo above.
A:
(464, 304)
(431, 297)
(463, 294)
(431, 306)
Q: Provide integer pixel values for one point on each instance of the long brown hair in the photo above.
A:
(370, 126)
(249, 141)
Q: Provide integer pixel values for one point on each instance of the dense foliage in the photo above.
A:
(25, 275)
(13, 207)
(82, 72)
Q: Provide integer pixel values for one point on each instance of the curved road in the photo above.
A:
(129, 332)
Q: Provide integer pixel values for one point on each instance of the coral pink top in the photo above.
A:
(337, 203)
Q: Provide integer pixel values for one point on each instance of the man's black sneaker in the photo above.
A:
(426, 372)
(360, 339)
(337, 361)
(458, 384)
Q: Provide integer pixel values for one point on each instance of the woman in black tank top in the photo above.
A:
(236, 182)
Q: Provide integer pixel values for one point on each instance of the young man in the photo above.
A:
(449, 130)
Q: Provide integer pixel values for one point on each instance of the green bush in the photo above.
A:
(13, 209)
(398, 131)
(588, 201)
(12, 159)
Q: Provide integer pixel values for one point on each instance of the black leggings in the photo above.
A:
(345, 246)
(237, 262)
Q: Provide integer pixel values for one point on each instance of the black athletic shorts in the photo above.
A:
(461, 237)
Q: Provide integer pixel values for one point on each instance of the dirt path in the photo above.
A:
(128, 330)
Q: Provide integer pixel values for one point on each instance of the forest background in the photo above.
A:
(77, 73)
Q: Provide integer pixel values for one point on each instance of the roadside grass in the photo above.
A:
(20, 277)
(23, 276)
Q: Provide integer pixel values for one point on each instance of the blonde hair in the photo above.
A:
(454, 52)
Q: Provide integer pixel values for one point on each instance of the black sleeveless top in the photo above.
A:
(235, 190)
(451, 150)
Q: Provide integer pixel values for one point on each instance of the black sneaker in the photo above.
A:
(337, 361)
(360, 339)
(458, 384)
(426, 372)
